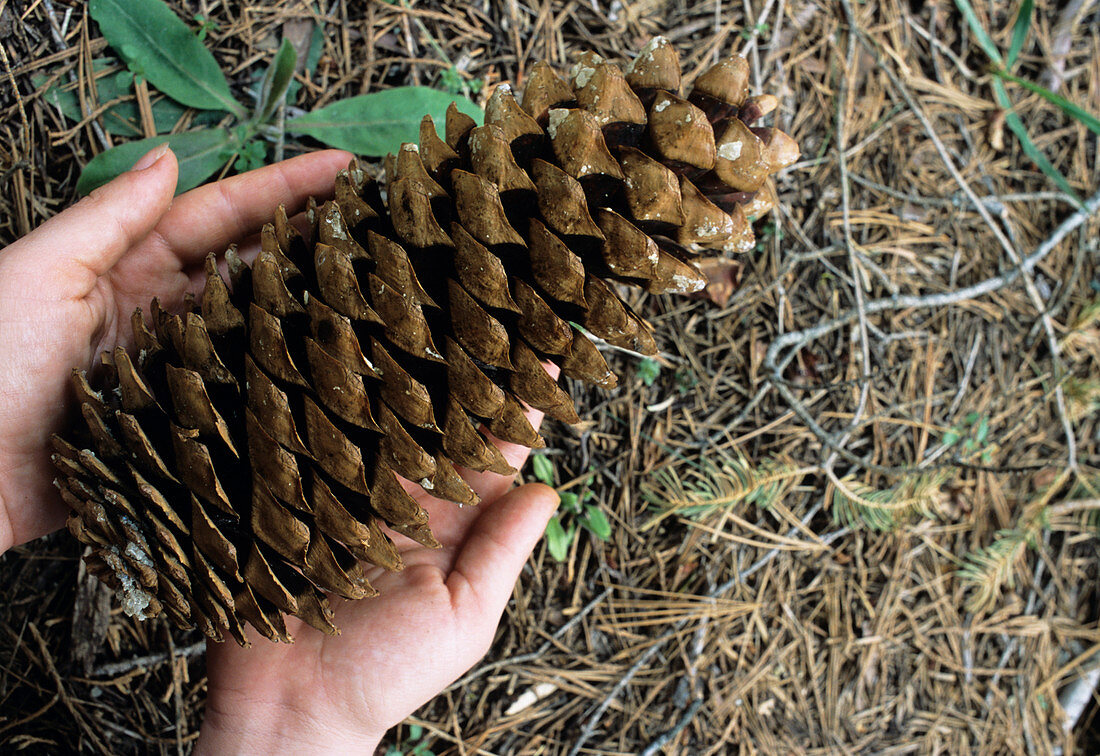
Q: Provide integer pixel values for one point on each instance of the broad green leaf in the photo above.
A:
(597, 522)
(951, 437)
(156, 44)
(200, 154)
(121, 119)
(1012, 120)
(543, 468)
(109, 86)
(1019, 32)
(557, 540)
(376, 124)
(979, 31)
(1071, 109)
(276, 80)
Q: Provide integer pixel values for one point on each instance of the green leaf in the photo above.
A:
(596, 521)
(569, 502)
(543, 468)
(416, 732)
(979, 31)
(200, 154)
(648, 370)
(983, 430)
(1012, 120)
(157, 44)
(252, 156)
(313, 57)
(1071, 109)
(316, 47)
(951, 437)
(205, 25)
(378, 123)
(123, 118)
(276, 80)
(1019, 32)
(557, 540)
(450, 80)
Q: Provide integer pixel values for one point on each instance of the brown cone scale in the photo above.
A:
(241, 460)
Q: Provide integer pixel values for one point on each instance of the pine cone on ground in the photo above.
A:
(243, 458)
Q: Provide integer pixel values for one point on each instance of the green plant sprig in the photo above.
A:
(575, 512)
(1001, 69)
(155, 44)
(417, 745)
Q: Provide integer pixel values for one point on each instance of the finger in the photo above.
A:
(496, 548)
(75, 247)
(247, 249)
(212, 217)
(489, 486)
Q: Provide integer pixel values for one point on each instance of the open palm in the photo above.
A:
(68, 288)
(432, 622)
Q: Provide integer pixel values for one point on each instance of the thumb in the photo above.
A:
(92, 235)
(496, 548)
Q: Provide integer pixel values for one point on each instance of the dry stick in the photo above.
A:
(177, 692)
(60, 42)
(1011, 644)
(65, 698)
(944, 49)
(484, 669)
(799, 338)
(668, 736)
(991, 201)
(593, 719)
(436, 46)
(1009, 248)
(690, 681)
(964, 384)
(853, 266)
(1064, 32)
(150, 660)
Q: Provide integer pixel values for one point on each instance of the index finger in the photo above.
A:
(491, 486)
(211, 217)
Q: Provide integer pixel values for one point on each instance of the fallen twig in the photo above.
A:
(149, 660)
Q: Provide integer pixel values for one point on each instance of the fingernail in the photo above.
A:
(151, 157)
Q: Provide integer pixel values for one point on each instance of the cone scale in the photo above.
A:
(245, 459)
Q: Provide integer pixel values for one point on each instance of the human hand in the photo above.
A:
(432, 622)
(67, 290)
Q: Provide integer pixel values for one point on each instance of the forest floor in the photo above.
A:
(852, 508)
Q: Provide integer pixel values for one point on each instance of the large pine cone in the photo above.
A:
(242, 459)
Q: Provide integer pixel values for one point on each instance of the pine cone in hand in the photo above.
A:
(243, 459)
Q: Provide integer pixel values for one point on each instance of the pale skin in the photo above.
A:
(66, 293)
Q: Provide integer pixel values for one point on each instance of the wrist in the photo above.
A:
(262, 727)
